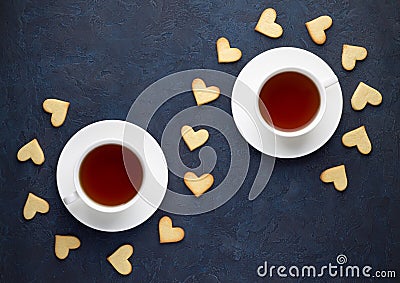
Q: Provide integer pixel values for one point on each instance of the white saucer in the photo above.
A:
(155, 175)
(245, 93)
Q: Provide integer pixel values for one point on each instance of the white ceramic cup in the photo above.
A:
(79, 192)
(321, 86)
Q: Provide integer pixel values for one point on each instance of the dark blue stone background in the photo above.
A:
(100, 55)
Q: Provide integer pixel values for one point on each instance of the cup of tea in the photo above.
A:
(292, 101)
(108, 176)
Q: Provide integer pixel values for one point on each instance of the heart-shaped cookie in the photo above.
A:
(31, 150)
(58, 110)
(202, 93)
(33, 205)
(267, 26)
(119, 259)
(365, 94)
(198, 185)
(194, 139)
(359, 138)
(227, 54)
(316, 28)
(337, 175)
(351, 54)
(64, 243)
(169, 234)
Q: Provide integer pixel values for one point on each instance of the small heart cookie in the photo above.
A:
(34, 204)
(58, 110)
(119, 259)
(351, 54)
(267, 26)
(202, 93)
(337, 175)
(359, 138)
(194, 139)
(169, 234)
(316, 28)
(64, 244)
(365, 94)
(225, 53)
(31, 150)
(198, 185)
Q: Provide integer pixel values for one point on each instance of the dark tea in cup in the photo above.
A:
(110, 174)
(289, 101)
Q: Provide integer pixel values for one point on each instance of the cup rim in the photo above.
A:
(81, 192)
(317, 117)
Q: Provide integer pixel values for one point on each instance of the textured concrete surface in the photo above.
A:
(100, 55)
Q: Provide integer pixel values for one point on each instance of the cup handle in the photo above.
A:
(330, 82)
(71, 198)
